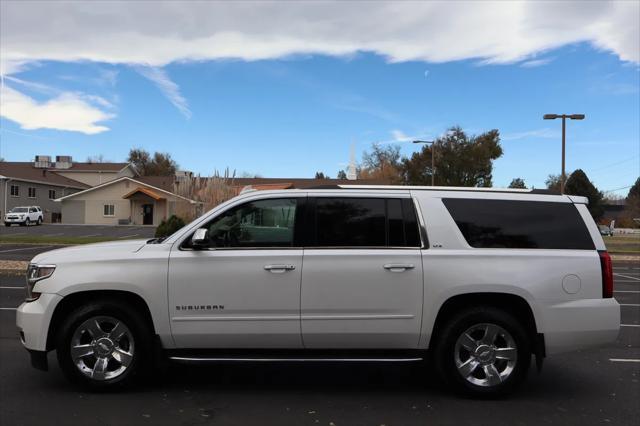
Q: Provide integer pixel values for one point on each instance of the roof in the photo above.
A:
(120, 179)
(146, 191)
(94, 167)
(27, 172)
(162, 182)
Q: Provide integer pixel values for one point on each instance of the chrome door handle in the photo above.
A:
(277, 269)
(398, 267)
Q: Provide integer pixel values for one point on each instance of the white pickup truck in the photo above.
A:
(481, 280)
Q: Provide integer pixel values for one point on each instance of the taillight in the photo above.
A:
(607, 274)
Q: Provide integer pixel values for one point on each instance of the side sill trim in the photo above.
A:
(214, 359)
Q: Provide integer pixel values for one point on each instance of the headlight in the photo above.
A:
(37, 273)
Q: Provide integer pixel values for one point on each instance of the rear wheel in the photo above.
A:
(483, 352)
(39, 221)
(27, 222)
(104, 345)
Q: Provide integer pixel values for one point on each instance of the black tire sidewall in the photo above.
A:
(444, 353)
(120, 311)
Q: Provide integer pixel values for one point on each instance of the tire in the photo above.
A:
(105, 361)
(27, 222)
(7, 224)
(39, 221)
(473, 363)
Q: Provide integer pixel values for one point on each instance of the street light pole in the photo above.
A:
(433, 160)
(564, 140)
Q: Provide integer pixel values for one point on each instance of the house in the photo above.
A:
(36, 183)
(139, 200)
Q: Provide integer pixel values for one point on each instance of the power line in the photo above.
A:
(616, 163)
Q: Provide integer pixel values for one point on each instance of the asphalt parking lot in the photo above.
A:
(595, 386)
(59, 230)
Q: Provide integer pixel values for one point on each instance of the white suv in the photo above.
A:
(480, 279)
(24, 216)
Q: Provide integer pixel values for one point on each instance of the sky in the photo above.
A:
(287, 89)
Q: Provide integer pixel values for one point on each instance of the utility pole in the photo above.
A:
(433, 160)
(564, 117)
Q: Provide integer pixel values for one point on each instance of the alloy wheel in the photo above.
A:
(485, 354)
(102, 348)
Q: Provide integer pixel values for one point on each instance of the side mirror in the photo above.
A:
(200, 238)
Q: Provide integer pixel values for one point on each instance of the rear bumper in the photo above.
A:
(580, 324)
(33, 319)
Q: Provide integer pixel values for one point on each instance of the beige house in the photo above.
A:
(144, 200)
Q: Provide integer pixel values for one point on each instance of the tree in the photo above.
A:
(383, 162)
(634, 192)
(518, 183)
(320, 175)
(553, 182)
(460, 160)
(96, 159)
(342, 175)
(579, 184)
(632, 207)
(161, 164)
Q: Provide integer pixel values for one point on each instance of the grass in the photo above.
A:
(623, 244)
(34, 239)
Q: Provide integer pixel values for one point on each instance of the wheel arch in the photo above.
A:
(514, 304)
(74, 300)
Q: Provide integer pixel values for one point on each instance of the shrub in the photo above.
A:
(169, 226)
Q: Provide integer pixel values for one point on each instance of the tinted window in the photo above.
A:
(263, 223)
(365, 222)
(519, 224)
(342, 222)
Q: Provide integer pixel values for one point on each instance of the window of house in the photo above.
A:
(52, 194)
(109, 210)
(32, 192)
(15, 191)
(519, 224)
(262, 223)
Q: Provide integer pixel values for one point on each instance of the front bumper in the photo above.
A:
(580, 324)
(33, 319)
(14, 220)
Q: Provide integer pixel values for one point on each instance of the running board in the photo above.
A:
(215, 359)
(293, 355)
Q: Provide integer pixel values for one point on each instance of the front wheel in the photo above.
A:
(104, 345)
(27, 222)
(39, 221)
(483, 352)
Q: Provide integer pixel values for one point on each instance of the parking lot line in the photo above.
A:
(135, 235)
(90, 235)
(627, 291)
(633, 305)
(623, 360)
(8, 309)
(24, 248)
(626, 276)
(10, 288)
(629, 325)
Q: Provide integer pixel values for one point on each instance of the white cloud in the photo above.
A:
(158, 33)
(67, 111)
(536, 63)
(170, 89)
(545, 133)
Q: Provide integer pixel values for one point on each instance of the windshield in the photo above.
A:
(19, 210)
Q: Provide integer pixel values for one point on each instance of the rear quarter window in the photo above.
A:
(519, 224)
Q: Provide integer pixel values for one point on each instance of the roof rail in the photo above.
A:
(453, 188)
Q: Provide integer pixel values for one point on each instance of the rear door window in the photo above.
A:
(364, 222)
(519, 224)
